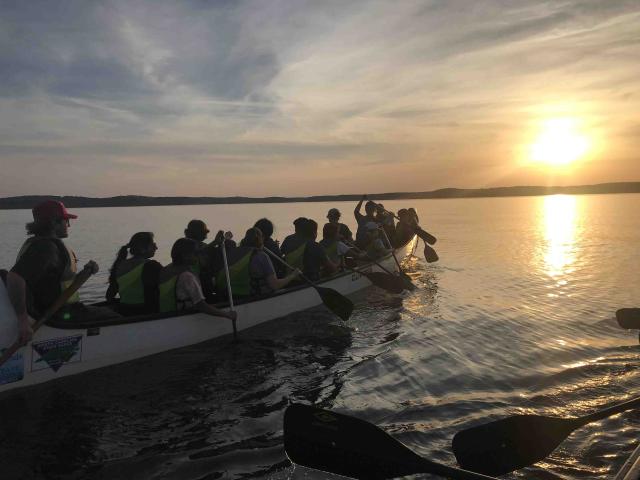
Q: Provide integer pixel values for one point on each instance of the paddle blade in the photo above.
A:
(331, 442)
(506, 445)
(628, 317)
(336, 302)
(426, 236)
(390, 283)
(430, 254)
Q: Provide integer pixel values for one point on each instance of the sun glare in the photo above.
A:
(559, 142)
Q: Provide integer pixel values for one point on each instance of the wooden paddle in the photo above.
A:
(406, 278)
(506, 445)
(333, 300)
(229, 291)
(348, 446)
(430, 254)
(628, 317)
(78, 281)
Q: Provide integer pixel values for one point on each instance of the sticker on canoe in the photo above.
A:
(13, 369)
(56, 352)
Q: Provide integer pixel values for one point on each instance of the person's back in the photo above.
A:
(293, 247)
(315, 261)
(331, 244)
(362, 236)
(180, 288)
(135, 279)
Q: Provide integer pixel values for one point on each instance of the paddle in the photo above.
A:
(78, 281)
(430, 254)
(390, 283)
(506, 445)
(406, 278)
(334, 301)
(424, 235)
(348, 446)
(229, 291)
(628, 317)
(385, 280)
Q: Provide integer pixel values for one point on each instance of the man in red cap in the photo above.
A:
(45, 263)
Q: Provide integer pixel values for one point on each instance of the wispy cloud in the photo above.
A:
(333, 96)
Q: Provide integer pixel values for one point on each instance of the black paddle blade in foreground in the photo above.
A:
(336, 302)
(430, 254)
(344, 445)
(426, 236)
(628, 317)
(390, 283)
(506, 445)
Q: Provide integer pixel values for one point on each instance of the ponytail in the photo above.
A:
(121, 257)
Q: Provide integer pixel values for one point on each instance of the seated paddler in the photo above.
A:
(311, 256)
(134, 279)
(179, 288)
(335, 249)
(198, 231)
(48, 266)
(251, 271)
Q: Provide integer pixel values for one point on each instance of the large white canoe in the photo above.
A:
(59, 350)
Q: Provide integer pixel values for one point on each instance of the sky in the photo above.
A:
(261, 98)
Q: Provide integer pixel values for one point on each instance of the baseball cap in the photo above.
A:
(50, 210)
(334, 212)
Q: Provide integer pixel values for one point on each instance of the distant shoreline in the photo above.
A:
(28, 201)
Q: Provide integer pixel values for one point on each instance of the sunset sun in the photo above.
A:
(559, 143)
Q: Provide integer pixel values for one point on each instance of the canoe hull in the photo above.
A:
(61, 352)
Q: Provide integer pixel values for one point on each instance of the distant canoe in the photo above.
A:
(61, 349)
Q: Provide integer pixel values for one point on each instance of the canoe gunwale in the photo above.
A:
(75, 325)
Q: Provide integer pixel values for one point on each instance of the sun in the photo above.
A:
(559, 143)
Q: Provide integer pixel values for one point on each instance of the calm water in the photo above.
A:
(518, 316)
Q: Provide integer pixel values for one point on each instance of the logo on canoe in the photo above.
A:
(56, 352)
(13, 368)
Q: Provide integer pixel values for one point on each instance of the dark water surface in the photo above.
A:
(518, 316)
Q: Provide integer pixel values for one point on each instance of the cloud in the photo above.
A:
(372, 88)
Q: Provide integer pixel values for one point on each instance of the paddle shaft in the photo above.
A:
(371, 259)
(607, 412)
(229, 291)
(392, 252)
(78, 281)
(302, 275)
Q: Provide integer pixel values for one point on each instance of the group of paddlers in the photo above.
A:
(200, 273)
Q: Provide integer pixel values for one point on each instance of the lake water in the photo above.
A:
(517, 316)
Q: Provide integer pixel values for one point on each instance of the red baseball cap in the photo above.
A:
(50, 210)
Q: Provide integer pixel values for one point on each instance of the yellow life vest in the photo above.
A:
(130, 286)
(71, 264)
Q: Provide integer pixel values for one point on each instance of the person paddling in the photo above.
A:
(344, 232)
(135, 279)
(362, 236)
(198, 231)
(335, 249)
(251, 271)
(48, 266)
(179, 288)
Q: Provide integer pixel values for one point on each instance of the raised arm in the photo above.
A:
(356, 211)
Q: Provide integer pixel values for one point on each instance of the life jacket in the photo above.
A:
(295, 258)
(70, 259)
(168, 300)
(238, 260)
(130, 286)
(331, 249)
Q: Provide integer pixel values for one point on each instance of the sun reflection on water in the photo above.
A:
(559, 224)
